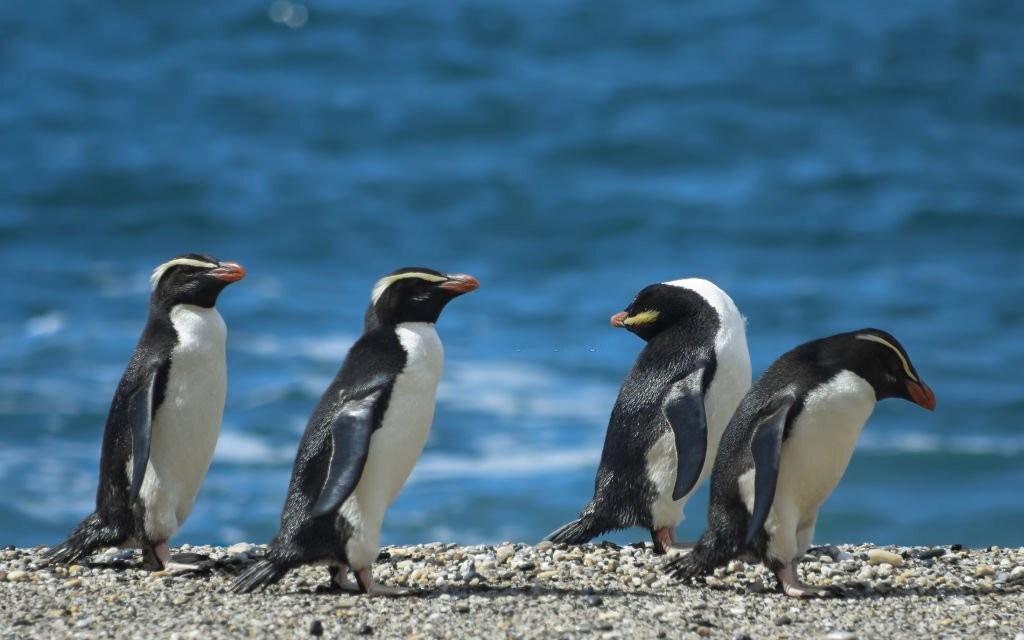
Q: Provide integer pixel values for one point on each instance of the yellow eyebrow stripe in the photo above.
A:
(188, 262)
(899, 354)
(387, 281)
(644, 317)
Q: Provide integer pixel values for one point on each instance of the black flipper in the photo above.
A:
(140, 411)
(350, 438)
(684, 408)
(766, 447)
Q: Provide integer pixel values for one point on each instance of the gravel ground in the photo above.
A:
(520, 591)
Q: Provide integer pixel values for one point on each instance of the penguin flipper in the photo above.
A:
(350, 441)
(684, 408)
(140, 412)
(766, 447)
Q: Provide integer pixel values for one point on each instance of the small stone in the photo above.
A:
(594, 601)
(544, 545)
(316, 628)
(840, 635)
(17, 575)
(546, 575)
(782, 621)
(503, 553)
(881, 556)
(928, 554)
(984, 571)
(365, 630)
(73, 582)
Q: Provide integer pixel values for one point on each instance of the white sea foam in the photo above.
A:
(330, 348)
(45, 324)
(900, 443)
(525, 463)
(243, 448)
(518, 390)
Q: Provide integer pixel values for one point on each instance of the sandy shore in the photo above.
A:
(520, 591)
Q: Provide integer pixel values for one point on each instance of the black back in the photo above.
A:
(680, 340)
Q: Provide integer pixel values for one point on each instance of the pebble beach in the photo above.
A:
(515, 590)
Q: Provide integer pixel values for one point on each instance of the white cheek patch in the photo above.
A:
(899, 354)
(387, 281)
(187, 262)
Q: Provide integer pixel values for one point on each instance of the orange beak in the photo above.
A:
(619, 319)
(460, 283)
(922, 395)
(228, 272)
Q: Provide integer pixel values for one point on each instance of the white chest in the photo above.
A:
(397, 444)
(188, 421)
(821, 442)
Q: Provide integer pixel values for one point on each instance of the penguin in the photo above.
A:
(364, 436)
(787, 447)
(671, 410)
(164, 419)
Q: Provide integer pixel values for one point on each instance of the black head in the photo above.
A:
(879, 358)
(660, 306)
(193, 278)
(414, 294)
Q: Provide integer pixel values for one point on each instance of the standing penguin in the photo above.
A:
(671, 410)
(787, 447)
(164, 419)
(364, 436)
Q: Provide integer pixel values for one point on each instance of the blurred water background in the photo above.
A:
(831, 165)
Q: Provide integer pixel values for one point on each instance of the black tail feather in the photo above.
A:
(711, 550)
(262, 574)
(583, 529)
(90, 535)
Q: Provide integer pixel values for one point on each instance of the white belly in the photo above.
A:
(187, 423)
(730, 384)
(396, 445)
(813, 460)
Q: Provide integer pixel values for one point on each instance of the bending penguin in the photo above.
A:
(364, 436)
(671, 410)
(164, 419)
(788, 445)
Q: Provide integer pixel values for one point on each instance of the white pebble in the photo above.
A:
(880, 556)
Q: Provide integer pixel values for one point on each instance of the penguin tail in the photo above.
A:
(712, 550)
(260, 575)
(91, 534)
(583, 529)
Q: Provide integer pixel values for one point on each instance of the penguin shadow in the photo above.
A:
(483, 590)
(205, 566)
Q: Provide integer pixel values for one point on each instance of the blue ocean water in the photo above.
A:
(831, 165)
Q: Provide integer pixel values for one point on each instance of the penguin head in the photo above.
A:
(414, 294)
(192, 278)
(879, 358)
(660, 306)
